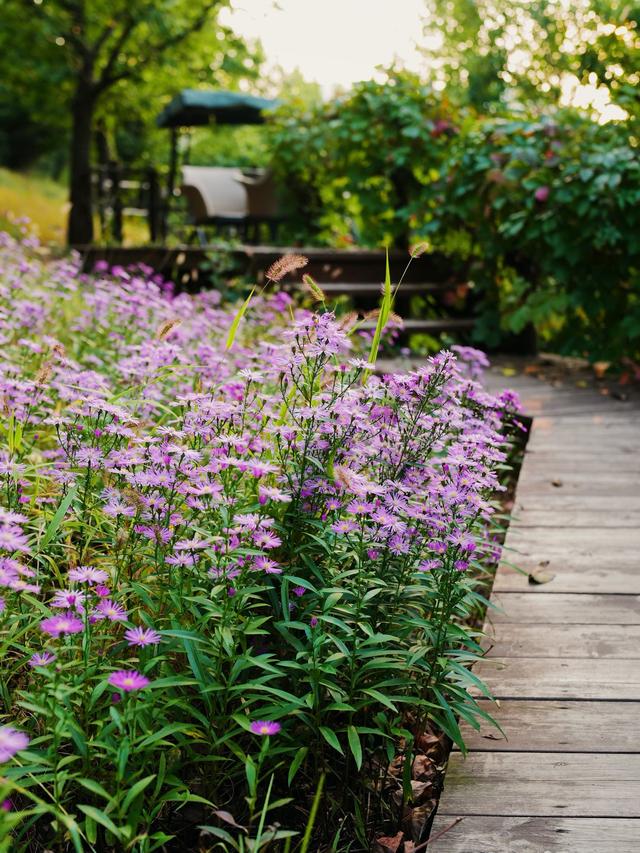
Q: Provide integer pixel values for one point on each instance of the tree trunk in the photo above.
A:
(80, 224)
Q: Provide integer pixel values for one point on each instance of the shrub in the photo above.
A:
(542, 210)
(232, 579)
(549, 210)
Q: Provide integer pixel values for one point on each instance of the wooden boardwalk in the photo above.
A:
(563, 657)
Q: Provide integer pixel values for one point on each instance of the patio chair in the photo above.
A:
(215, 196)
(263, 201)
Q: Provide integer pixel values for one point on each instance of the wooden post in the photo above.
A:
(117, 202)
(153, 203)
(171, 181)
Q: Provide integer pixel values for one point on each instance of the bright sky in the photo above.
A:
(338, 42)
(335, 42)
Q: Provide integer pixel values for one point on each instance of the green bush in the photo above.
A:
(545, 211)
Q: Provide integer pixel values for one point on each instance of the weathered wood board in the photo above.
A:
(542, 784)
(558, 726)
(530, 640)
(564, 609)
(536, 835)
(563, 657)
(561, 678)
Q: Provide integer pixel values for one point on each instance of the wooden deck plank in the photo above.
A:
(535, 835)
(542, 784)
(558, 726)
(562, 657)
(581, 560)
(567, 517)
(564, 609)
(531, 640)
(561, 678)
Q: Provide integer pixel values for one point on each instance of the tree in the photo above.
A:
(91, 48)
(492, 52)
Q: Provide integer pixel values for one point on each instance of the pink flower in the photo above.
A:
(142, 637)
(11, 741)
(41, 659)
(128, 680)
(87, 574)
(68, 599)
(264, 564)
(265, 727)
(541, 194)
(109, 609)
(57, 625)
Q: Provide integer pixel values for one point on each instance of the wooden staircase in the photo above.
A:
(447, 304)
(358, 274)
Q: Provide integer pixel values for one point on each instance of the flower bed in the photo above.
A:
(235, 580)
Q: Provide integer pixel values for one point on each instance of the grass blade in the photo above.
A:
(236, 320)
(56, 521)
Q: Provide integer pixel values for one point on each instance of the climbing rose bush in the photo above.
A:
(231, 579)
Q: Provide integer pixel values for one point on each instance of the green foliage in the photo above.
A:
(357, 164)
(489, 53)
(543, 212)
(550, 213)
(142, 54)
(304, 546)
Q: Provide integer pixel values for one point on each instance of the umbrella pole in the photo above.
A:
(171, 179)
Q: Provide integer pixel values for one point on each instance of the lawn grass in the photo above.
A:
(39, 198)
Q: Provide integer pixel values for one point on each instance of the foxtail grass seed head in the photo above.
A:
(312, 288)
(166, 328)
(285, 265)
(418, 249)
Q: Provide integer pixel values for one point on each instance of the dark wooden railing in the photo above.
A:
(121, 192)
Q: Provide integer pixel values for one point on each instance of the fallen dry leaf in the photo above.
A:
(388, 844)
(537, 578)
(423, 768)
(419, 791)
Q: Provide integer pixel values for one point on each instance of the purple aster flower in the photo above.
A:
(360, 507)
(142, 637)
(265, 539)
(11, 741)
(87, 574)
(111, 610)
(128, 680)
(57, 625)
(68, 599)
(264, 564)
(41, 659)
(344, 527)
(299, 591)
(265, 727)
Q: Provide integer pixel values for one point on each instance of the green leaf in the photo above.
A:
(383, 316)
(299, 757)
(331, 738)
(101, 818)
(236, 320)
(60, 513)
(95, 788)
(137, 789)
(355, 745)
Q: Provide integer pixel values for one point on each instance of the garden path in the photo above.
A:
(564, 655)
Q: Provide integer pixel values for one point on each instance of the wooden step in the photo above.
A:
(339, 288)
(489, 834)
(431, 327)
